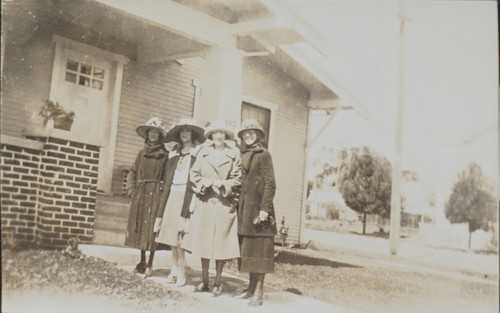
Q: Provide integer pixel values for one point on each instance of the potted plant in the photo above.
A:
(54, 111)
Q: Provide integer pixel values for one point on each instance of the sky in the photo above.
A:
(450, 81)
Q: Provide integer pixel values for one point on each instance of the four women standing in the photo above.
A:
(221, 225)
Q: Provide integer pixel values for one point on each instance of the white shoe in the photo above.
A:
(181, 281)
(171, 278)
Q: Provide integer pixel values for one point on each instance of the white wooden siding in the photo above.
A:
(163, 90)
(27, 70)
(268, 83)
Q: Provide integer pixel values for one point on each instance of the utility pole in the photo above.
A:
(396, 166)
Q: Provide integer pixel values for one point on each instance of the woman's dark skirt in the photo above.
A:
(257, 254)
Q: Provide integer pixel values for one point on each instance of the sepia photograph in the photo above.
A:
(282, 156)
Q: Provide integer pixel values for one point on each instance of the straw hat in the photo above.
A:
(251, 124)
(196, 131)
(219, 125)
(152, 123)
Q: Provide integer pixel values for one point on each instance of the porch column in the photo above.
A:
(221, 78)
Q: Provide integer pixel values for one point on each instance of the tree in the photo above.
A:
(472, 200)
(365, 183)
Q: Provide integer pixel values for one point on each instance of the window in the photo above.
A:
(84, 75)
(261, 115)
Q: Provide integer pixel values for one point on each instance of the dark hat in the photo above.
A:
(219, 125)
(152, 123)
(251, 124)
(173, 133)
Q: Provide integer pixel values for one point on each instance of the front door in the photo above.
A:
(87, 80)
(84, 85)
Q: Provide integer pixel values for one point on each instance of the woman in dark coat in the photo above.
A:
(213, 233)
(256, 227)
(144, 188)
(174, 211)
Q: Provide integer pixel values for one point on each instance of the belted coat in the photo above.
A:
(144, 188)
(213, 231)
(258, 187)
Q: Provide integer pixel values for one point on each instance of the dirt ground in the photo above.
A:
(98, 286)
(374, 289)
(44, 279)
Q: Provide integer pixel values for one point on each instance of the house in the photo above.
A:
(327, 203)
(116, 63)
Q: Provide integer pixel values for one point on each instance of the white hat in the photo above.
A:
(219, 125)
(152, 123)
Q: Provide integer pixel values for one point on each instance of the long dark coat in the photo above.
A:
(144, 187)
(213, 233)
(258, 187)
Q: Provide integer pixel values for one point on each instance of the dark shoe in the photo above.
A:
(216, 291)
(201, 287)
(245, 294)
(255, 301)
(148, 272)
(140, 268)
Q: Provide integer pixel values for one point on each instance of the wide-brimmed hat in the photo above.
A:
(196, 131)
(219, 125)
(251, 124)
(152, 123)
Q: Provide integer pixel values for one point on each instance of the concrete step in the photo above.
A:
(111, 223)
(109, 237)
(114, 209)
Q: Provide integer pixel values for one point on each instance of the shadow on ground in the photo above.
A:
(301, 259)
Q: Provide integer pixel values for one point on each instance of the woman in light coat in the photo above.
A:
(174, 213)
(256, 217)
(215, 173)
(144, 188)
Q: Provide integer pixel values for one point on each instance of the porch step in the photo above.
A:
(111, 219)
(109, 237)
(111, 223)
(111, 207)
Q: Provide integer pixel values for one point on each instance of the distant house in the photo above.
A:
(327, 201)
(116, 63)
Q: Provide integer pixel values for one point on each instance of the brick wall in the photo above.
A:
(19, 190)
(49, 194)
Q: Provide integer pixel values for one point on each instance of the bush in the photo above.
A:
(332, 214)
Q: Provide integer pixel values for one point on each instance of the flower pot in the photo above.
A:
(63, 122)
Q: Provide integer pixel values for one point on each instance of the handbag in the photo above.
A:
(263, 224)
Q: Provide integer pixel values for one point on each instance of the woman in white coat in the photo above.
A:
(214, 174)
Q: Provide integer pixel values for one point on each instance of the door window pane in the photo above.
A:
(84, 81)
(71, 77)
(97, 84)
(98, 73)
(86, 69)
(72, 66)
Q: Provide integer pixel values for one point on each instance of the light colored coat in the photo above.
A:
(213, 231)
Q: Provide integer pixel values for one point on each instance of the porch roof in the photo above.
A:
(153, 31)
